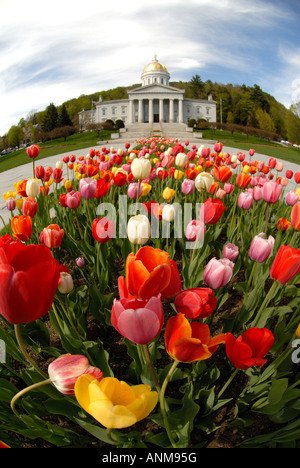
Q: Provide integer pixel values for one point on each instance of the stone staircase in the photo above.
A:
(157, 129)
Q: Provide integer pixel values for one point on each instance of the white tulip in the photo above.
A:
(32, 188)
(181, 159)
(138, 229)
(141, 168)
(168, 213)
(66, 285)
(59, 165)
(204, 181)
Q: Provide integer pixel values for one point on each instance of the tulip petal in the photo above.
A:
(158, 280)
(177, 327)
(152, 257)
(81, 389)
(112, 416)
(136, 274)
(190, 349)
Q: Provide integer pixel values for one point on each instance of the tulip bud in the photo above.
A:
(168, 193)
(32, 188)
(11, 204)
(138, 229)
(260, 249)
(181, 159)
(168, 213)
(65, 370)
(65, 284)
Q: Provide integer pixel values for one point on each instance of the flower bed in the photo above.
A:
(150, 299)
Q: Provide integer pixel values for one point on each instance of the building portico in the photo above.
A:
(155, 101)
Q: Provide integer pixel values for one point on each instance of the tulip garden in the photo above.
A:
(150, 299)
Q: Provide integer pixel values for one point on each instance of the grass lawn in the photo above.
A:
(90, 139)
(244, 143)
(53, 147)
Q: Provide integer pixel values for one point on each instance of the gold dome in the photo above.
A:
(155, 66)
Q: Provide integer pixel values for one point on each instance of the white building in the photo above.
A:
(154, 101)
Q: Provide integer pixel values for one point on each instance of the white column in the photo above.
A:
(171, 118)
(180, 110)
(150, 110)
(140, 112)
(161, 110)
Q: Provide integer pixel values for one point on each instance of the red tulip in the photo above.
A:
(283, 224)
(51, 236)
(103, 230)
(33, 151)
(289, 174)
(174, 286)
(211, 211)
(29, 277)
(189, 342)
(196, 302)
(140, 321)
(218, 147)
(148, 273)
(30, 207)
(249, 349)
(21, 227)
(39, 172)
(102, 188)
(286, 264)
(297, 177)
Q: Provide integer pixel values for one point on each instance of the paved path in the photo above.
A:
(8, 178)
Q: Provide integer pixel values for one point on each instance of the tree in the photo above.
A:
(64, 118)
(15, 136)
(196, 85)
(264, 120)
(50, 118)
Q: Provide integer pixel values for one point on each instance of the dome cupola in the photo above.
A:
(155, 72)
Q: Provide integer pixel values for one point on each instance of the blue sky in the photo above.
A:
(67, 48)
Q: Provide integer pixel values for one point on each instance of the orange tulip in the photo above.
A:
(148, 272)
(295, 217)
(222, 173)
(22, 227)
(243, 180)
(189, 342)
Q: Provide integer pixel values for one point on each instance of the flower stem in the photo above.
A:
(25, 390)
(24, 352)
(151, 368)
(266, 301)
(162, 403)
(227, 383)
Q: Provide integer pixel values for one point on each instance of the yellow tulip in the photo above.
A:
(19, 203)
(146, 189)
(246, 169)
(178, 174)
(298, 331)
(168, 193)
(114, 403)
(49, 182)
(79, 176)
(67, 184)
(9, 194)
(298, 192)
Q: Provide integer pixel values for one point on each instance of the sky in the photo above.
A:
(51, 52)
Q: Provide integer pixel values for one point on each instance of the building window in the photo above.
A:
(103, 111)
(162, 81)
(207, 111)
(113, 110)
(198, 110)
(155, 80)
(123, 110)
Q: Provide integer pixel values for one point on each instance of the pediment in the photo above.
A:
(156, 88)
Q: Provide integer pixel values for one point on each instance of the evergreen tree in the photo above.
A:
(196, 85)
(50, 119)
(64, 118)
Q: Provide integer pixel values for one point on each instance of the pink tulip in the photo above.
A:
(245, 200)
(291, 198)
(272, 191)
(257, 192)
(11, 204)
(230, 251)
(140, 321)
(260, 249)
(218, 147)
(65, 370)
(279, 166)
(272, 163)
(228, 187)
(195, 230)
(218, 273)
(87, 188)
(51, 236)
(133, 190)
(251, 152)
(72, 200)
(187, 186)
(205, 152)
